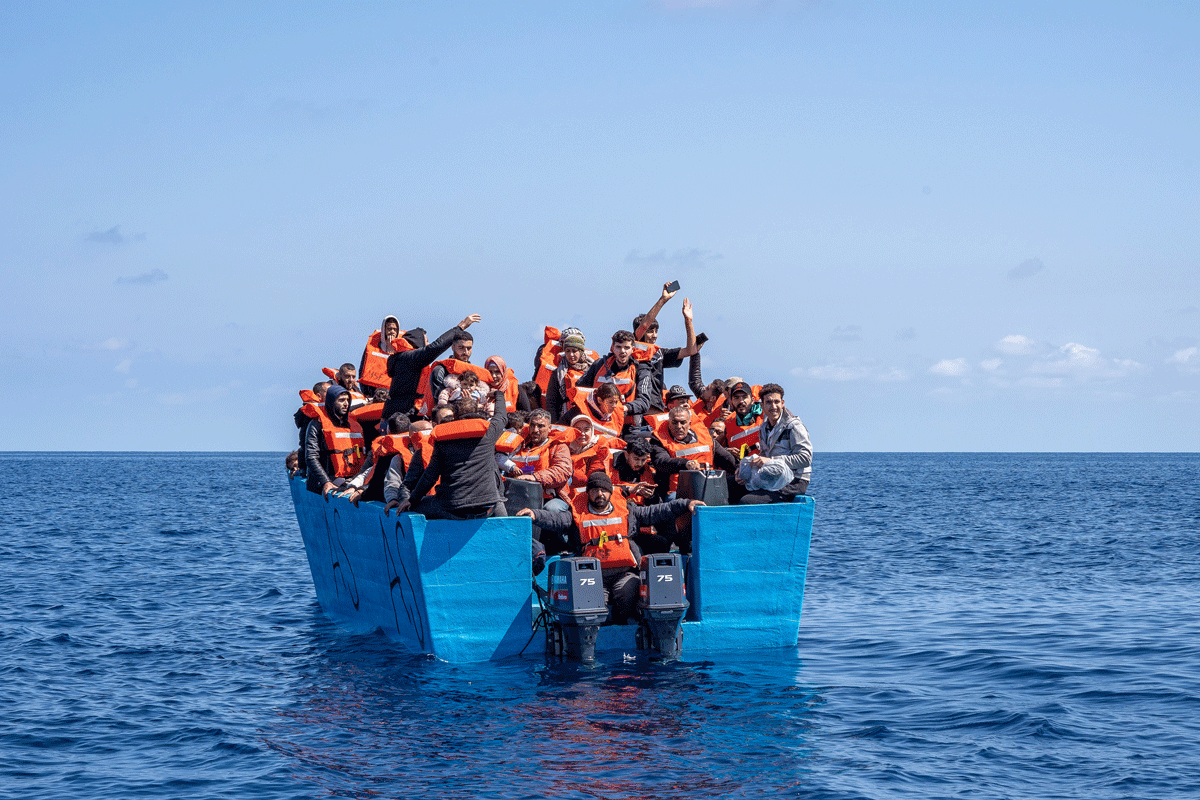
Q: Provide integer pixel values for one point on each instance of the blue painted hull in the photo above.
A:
(462, 591)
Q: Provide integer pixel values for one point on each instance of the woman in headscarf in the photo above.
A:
(503, 379)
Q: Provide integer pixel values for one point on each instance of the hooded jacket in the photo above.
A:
(789, 442)
(316, 454)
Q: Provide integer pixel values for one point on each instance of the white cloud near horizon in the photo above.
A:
(1083, 362)
(1016, 345)
(951, 367)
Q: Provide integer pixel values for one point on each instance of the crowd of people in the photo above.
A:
(600, 437)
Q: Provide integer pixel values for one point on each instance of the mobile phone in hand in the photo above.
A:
(701, 338)
(673, 286)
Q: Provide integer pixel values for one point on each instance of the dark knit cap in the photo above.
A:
(415, 337)
(600, 480)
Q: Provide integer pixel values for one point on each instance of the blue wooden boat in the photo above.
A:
(462, 592)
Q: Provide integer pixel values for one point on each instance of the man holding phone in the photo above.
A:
(652, 359)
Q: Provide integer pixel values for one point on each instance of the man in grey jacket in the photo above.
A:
(783, 442)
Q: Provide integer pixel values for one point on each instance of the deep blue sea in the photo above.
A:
(975, 626)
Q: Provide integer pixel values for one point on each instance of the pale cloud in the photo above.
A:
(1187, 356)
(113, 343)
(1083, 362)
(847, 333)
(1026, 269)
(111, 236)
(123, 367)
(950, 368)
(1016, 345)
(145, 279)
(991, 365)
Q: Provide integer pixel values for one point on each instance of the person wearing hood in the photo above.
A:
(333, 453)
(782, 468)
(372, 369)
(404, 368)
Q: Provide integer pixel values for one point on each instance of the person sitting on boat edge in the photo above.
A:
(783, 441)
(405, 368)
(464, 459)
(333, 453)
(601, 524)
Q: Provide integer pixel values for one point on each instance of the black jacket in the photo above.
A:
(405, 372)
(467, 468)
(650, 378)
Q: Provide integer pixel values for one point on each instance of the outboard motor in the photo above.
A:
(662, 603)
(577, 605)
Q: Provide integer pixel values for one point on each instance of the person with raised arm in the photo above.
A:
(405, 368)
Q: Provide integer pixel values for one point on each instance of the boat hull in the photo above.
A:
(461, 591)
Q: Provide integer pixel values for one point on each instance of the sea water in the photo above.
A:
(975, 625)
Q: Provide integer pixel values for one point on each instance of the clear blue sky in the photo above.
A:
(941, 226)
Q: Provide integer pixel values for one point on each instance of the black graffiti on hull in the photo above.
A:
(401, 580)
(340, 564)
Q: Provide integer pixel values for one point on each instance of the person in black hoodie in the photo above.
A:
(318, 466)
(405, 368)
(464, 458)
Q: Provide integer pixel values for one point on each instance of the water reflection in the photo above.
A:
(367, 720)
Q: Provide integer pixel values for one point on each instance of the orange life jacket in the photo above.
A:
(512, 392)
(645, 476)
(613, 426)
(738, 435)
(309, 398)
(551, 357)
(460, 429)
(389, 445)
(604, 536)
(644, 351)
(624, 379)
(508, 442)
(453, 367)
(537, 458)
(393, 445)
(346, 449)
(371, 412)
(700, 450)
(374, 360)
(422, 445)
(719, 411)
(534, 459)
(589, 460)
